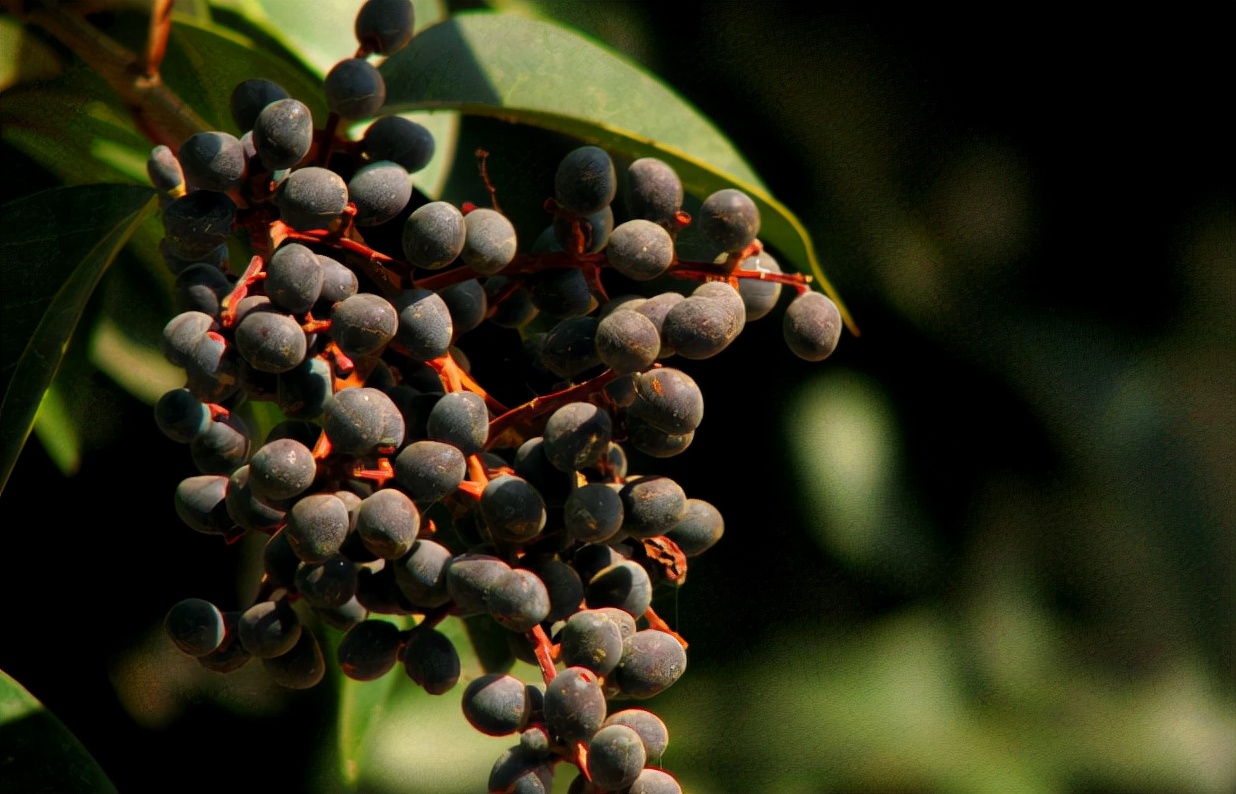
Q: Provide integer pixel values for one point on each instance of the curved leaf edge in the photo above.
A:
(16, 703)
(109, 246)
(635, 145)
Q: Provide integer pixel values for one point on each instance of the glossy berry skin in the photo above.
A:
(311, 198)
(812, 326)
(283, 133)
(496, 704)
(401, 141)
(585, 181)
(574, 704)
(729, 220)
(354, 89)
(385, 26)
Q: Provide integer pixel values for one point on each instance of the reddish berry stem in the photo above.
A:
(539, 406)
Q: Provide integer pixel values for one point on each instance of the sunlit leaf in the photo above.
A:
(139, 369)
(537, 72)
(193, 9)
(53, 424)
(63, 240)
(319, 40)
(361, 705)
(534, 72)
(75, 127)
(324, 36)
(205, 61)
(23, 57)
(39, 754)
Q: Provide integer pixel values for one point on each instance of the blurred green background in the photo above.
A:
(986, 547)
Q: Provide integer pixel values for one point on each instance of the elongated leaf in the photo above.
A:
(361, 705)
(205, 61)
(23, 57)
(139, 369)
(57, 245)
(75, 127)
(37, 753)
(534, 72)
(54, 426)
(321, 36)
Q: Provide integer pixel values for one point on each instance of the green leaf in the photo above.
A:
(57, 245)
(139, 369)
(76, 128)
(320, 39)
(205, 61)
(361, 705)
(24, 57)
(192, 9)
(534, 72)
(37, 753)
(53, 424)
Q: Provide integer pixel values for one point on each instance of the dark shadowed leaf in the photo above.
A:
(23, 56)
(74, 127)
(38, 755)
(57, 245)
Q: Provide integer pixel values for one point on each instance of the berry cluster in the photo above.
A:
(397, 486)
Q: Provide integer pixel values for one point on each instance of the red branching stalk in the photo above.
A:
(476, 471)
(157, 111)
(254, 273)
(454, 378)
(383, 270)
(539, 406)
(481, 157)
(544, 650)
(156, 41)
(381, 475)
(656, 622)
(323, 448)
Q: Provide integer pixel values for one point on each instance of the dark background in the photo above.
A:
(988, 544)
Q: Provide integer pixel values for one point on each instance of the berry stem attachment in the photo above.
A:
(655, 621)
(156, 40)
(543, 649)
(381, 475)
(539, 406)
(253, 273)
(455, 379)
